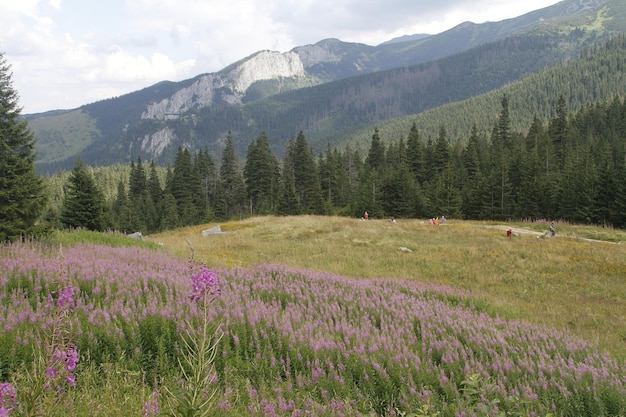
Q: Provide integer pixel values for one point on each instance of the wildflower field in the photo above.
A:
(92, 329)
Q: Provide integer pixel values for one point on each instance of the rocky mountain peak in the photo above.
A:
(231, 85)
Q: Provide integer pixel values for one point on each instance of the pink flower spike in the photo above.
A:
(204, 283)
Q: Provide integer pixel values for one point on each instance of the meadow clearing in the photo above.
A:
(321, 316)
(575, 282)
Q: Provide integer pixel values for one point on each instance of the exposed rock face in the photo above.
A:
(265, 65)
(231, 86)
(199, 93)
(156, 143)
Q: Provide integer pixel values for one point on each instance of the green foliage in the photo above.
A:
(158, 341)
(116, 240)
(62, 134)
(22, 192)
(262, 176)
(231, 181)
(83, 205)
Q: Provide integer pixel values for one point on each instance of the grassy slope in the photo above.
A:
(568, 282)
(66, 134)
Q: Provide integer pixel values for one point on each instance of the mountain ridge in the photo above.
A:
(149, 121)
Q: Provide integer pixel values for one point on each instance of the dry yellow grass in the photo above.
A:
(565, 282)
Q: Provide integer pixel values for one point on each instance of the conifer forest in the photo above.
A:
(570, 169)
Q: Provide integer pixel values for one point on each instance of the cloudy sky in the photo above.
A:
(66, 53)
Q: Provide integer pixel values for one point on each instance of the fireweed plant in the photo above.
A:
(8, 400)
(296, 342)
(54, 355)
(194, 396)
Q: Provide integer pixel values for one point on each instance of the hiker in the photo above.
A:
(366, 215)
(551, 231)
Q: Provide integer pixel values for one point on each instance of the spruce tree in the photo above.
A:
(169, 219)
(415, 154)
(121, 209)
(262, 176)
(558, 131)
(306, 178)
(231, 180)
(156, 197)
(179, 187)
(441, 156)
(472, 176)
(287, 199)
(138, 198)
(22, 191)
(401, 194)
(376, 155)
(207, 174)
(83, 205)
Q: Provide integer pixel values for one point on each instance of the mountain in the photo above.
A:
(327, 90)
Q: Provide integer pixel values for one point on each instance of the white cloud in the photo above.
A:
(121, 66)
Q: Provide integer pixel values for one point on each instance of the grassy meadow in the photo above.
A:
(576, 281)
(316, 316)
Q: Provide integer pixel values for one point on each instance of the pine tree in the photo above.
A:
(231, 180)
(503, 127)
(376, 155)
(179, 187)
(305, 177)
(499, 201)
(558, 131)
(400, 190)
(137, 181)
(197, 189)
(206, 171)
(84, 205)
(121, 209)
(472, 177)
(156, 198)
(262, 176)
(169, 219)
(441, 156)
(287, 200)
(416, 152)
(22, 191)
(137, 198)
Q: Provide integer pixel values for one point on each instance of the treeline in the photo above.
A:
(573, 168)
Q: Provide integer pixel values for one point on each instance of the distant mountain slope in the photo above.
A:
(322, 89)
(598, 76)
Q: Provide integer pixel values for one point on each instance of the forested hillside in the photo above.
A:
(570, 168)
(597, 75)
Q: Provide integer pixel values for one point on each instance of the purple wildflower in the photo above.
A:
(51, 372)
(66, 297)
(66, 359)
(203, 284)
(151, 408)
(7, 399)
(71, 359)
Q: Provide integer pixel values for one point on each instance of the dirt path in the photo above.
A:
(518, 230)
(521, 230)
